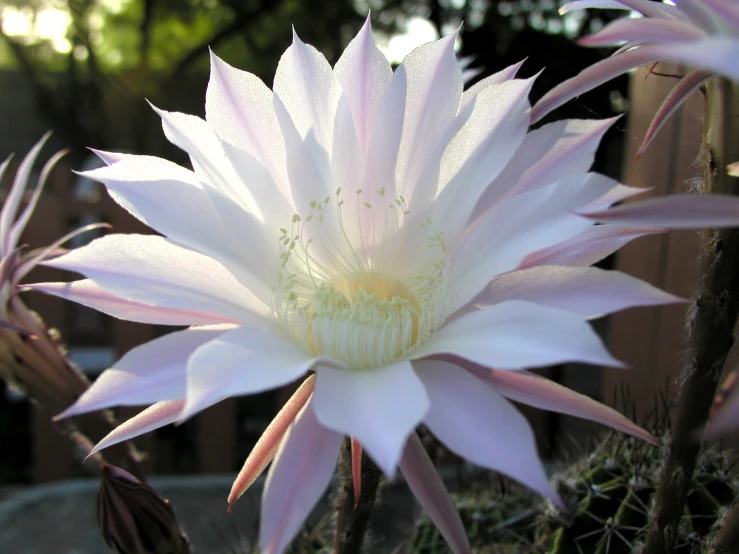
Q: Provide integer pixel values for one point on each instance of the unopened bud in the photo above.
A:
(134, 519)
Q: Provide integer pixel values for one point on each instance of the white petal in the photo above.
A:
(246, 360)
(363, 73)
(434, 90)
(147, 374)
(387, 130)
(90, 294)
(586, 291)
(515, 335)
(145, 187)
(299, 475)
(274, 202)
(109, 158)
(153, 271)
(552, 152)
(230, 197)
(515, 227)
(475, 422)
(309, 90)
(481, 150)
(196, 137)
(378, 407)
(495, 79)
(238, 106)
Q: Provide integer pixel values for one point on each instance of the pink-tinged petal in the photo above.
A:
(645, 7)
(677, 211)
(33, 258)
(717, 54)
(617, 194)
(586, 291)
(363, 73)
(151, 270)
(499, 240)
(555, 151)
(699, 14)
(153, 417)
(515, 335)
(299, 475)
(307, 87)
(238, 106)
(652, 30)
(147, 374)
(246, 360)
(480, 425)
(88, 293)
(677, 96)
(380, 408)
(356, 470)
(109, 158)
(593, 76)
(542, 393)
(7, 325)
(20, 225)
(13, 200)
(728, 11)
(589, 247)
(264, 451)
(724, 421)
(502, 76)
(434, 83)
(429, 489)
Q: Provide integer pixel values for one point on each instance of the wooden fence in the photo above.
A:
(651, 340)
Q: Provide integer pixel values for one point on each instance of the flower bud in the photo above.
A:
(134, 519)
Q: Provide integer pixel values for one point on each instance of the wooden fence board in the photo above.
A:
(650, 339)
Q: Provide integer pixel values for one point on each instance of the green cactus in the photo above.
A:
(609, 494)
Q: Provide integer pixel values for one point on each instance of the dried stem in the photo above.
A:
(711, 322)
(352, 520)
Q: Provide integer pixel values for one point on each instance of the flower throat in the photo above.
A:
(334, 301)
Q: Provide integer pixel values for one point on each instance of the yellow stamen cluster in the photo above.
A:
(343, 299)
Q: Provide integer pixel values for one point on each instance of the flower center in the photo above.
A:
(336, 299)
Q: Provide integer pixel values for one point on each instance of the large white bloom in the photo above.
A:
(390, 233)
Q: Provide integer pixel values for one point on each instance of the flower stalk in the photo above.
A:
(711, 320)
(352, 513)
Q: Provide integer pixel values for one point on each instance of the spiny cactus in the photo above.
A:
(608, 494)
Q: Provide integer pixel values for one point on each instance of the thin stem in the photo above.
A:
(711, 322)
(352, 519)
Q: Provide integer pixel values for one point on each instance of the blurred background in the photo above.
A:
(85, 68)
